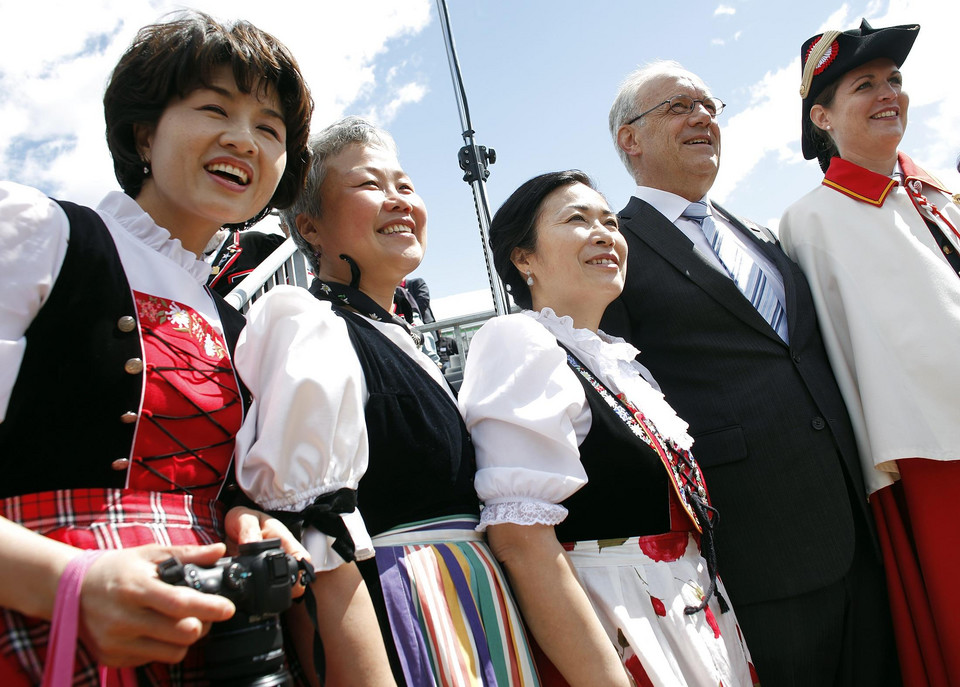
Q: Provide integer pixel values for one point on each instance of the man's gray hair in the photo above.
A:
(627, 103)
(323, 146)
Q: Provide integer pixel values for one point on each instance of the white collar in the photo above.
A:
(128, 213)
(670, 205)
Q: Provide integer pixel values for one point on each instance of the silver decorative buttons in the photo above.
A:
(120, 464)
(126, 324)
(134, 366)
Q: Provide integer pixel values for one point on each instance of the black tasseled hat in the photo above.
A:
(833, 53)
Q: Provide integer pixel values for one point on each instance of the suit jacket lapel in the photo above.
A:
(648, 225)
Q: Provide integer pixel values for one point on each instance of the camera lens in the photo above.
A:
(244, 654)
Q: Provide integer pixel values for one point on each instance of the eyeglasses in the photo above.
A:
(684, 105)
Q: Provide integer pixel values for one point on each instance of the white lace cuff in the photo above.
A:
(521, 513)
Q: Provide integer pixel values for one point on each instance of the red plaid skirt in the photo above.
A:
(101, 519)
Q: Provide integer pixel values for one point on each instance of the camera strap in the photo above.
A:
(319, 659)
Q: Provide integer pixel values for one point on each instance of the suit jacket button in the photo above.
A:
(796, 358)
(134, 366)
(128, 417)
(126, 324)
(818, 423)
(120, 464)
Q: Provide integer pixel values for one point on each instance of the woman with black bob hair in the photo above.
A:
(119, 404)
(592, 500)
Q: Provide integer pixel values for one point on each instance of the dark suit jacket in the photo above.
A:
(771, 429)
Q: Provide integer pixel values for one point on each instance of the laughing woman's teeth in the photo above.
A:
(396, 229)
(225, 170)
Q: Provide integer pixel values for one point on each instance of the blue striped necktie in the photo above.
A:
(747, 274)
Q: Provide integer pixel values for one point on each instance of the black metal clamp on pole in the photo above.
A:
(474, 161)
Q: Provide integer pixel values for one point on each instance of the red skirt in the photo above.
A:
(918, 529)
(101, 519)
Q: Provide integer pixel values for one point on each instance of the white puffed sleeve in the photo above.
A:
(527, 414)
(33, 243)
(305, 434)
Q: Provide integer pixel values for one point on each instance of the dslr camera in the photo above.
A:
(247, 649)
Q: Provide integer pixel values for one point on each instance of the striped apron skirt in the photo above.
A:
(453, 620)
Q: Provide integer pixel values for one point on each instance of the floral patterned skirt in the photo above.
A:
(639, 588)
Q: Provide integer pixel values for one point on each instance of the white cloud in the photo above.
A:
(406, 94)
(724, 9)
(51, 94)
(769, 125)
(718, 41)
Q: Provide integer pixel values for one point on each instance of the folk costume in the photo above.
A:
(880, 253)
(238, 256)
(108, 331)
(355, 431)
(876, 250)
(568, 433)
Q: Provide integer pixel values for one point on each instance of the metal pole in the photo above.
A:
(474, 161)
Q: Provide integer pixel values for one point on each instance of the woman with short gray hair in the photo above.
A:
(349, 410)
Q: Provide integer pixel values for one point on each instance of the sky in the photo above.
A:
(540, 76)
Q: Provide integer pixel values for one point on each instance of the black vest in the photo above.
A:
(422, 461)
(63, 426)
(628, 492)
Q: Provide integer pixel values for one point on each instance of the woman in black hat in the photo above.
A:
(879, 241)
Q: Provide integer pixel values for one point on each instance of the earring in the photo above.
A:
(828, 127)
(146, 168)
(529, 279)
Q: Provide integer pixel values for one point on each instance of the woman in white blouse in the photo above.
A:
(355, 433)
(118, 400)
(591, 500)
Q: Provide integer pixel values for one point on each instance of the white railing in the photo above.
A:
(285, 265)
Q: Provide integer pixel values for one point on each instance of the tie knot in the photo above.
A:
(696, 211)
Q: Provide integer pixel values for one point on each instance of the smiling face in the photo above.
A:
(868, 115)
(216, 157)
(369, 211)
(671, 152)
(580, 260)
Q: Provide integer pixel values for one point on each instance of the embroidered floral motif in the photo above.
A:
(155, 312)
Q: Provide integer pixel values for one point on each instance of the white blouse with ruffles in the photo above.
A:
(306, 433)
(34, 232)
(528, 413)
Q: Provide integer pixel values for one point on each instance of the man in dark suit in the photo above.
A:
(750, 374)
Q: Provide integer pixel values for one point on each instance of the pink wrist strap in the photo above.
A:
(62, 646)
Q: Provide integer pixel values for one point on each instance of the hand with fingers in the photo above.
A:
(128, 616)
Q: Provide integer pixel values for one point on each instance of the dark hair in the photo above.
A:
(173, 58)
(826, 148)
(515, 226)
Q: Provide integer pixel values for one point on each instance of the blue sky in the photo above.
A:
(540, 77)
